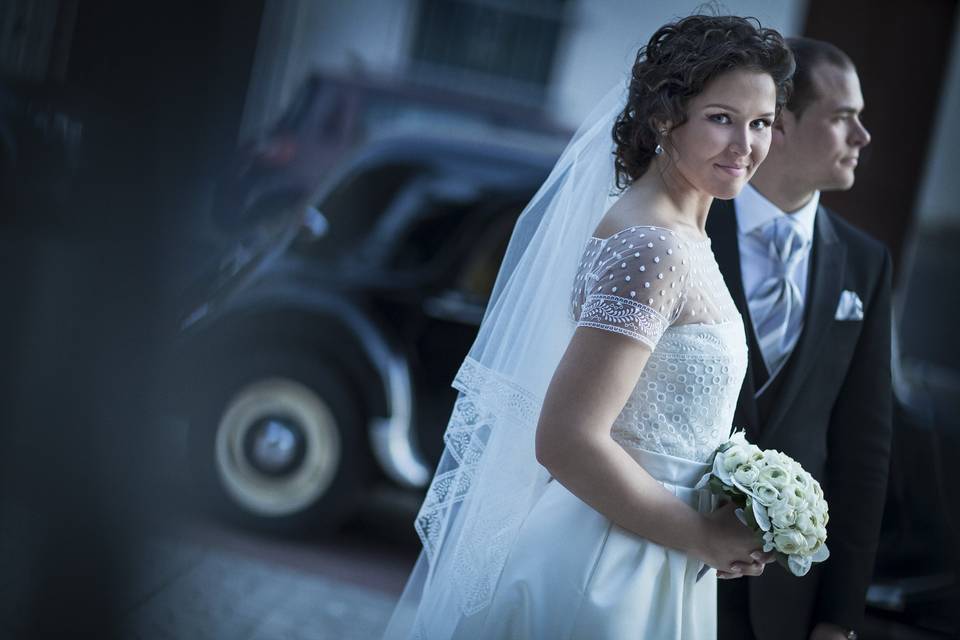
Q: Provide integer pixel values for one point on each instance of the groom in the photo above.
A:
(814, 293)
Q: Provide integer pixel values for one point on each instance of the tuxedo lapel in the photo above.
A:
(722, 229)
(823, 292)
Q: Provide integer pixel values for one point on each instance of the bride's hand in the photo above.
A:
(731, 547)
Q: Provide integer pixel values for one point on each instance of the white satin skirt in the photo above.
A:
(572, 574)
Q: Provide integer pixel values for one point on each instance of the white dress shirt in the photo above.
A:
(753, 211)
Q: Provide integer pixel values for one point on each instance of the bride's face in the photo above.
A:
(726, 135)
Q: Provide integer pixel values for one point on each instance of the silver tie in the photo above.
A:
(776, 307)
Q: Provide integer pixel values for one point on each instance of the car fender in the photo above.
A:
(392, 436)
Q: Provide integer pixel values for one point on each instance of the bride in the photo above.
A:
(606, 371)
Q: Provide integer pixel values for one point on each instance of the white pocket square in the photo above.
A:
(850, 307)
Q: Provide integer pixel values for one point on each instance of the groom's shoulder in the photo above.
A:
(856, 239)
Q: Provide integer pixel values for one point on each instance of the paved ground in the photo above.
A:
(201, 593)
(194, 590)
(203, 580)
(208, 581)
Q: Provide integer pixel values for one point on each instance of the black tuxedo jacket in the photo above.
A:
(830, 408)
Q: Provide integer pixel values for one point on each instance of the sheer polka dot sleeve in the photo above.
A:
(633, 283)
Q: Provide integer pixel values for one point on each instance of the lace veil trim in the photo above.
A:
(487, 401)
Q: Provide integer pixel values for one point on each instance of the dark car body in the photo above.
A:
(288, 163)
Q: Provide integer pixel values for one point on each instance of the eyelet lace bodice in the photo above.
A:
(652, 285)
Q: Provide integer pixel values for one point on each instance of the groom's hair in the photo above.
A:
(808, 54)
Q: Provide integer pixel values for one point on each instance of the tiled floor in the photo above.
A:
(205, 594)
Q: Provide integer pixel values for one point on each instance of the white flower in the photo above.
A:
(789, 541)
(746, 474)
(795, 496)
(806, 523)
(802, 479)
(817, 489)
(813, 547)
(776, 475)
(765, 493)
(738, 437)
(819, 511)
(782, 514)
(727, 462)
(772, 456)
(817, 508)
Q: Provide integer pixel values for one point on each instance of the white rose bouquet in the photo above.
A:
(778, 499)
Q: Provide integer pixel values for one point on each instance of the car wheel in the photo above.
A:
(279, 446)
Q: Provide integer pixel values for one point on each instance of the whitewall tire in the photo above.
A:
(264, 426)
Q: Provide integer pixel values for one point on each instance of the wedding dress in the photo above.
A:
(571, 573)
(508, 552)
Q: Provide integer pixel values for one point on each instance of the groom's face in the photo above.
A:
(823, 144)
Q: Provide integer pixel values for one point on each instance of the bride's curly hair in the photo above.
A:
(676, 64)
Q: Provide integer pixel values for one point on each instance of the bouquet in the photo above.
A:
(777, 498)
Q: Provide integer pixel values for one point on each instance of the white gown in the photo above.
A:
(572, 574)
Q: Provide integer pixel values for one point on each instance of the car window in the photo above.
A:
(480, 266)
(353, 208)
(427, 238)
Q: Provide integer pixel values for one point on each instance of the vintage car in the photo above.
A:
(355, 243)
(321, 359)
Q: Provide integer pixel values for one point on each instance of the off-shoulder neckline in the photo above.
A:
(694, 243)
